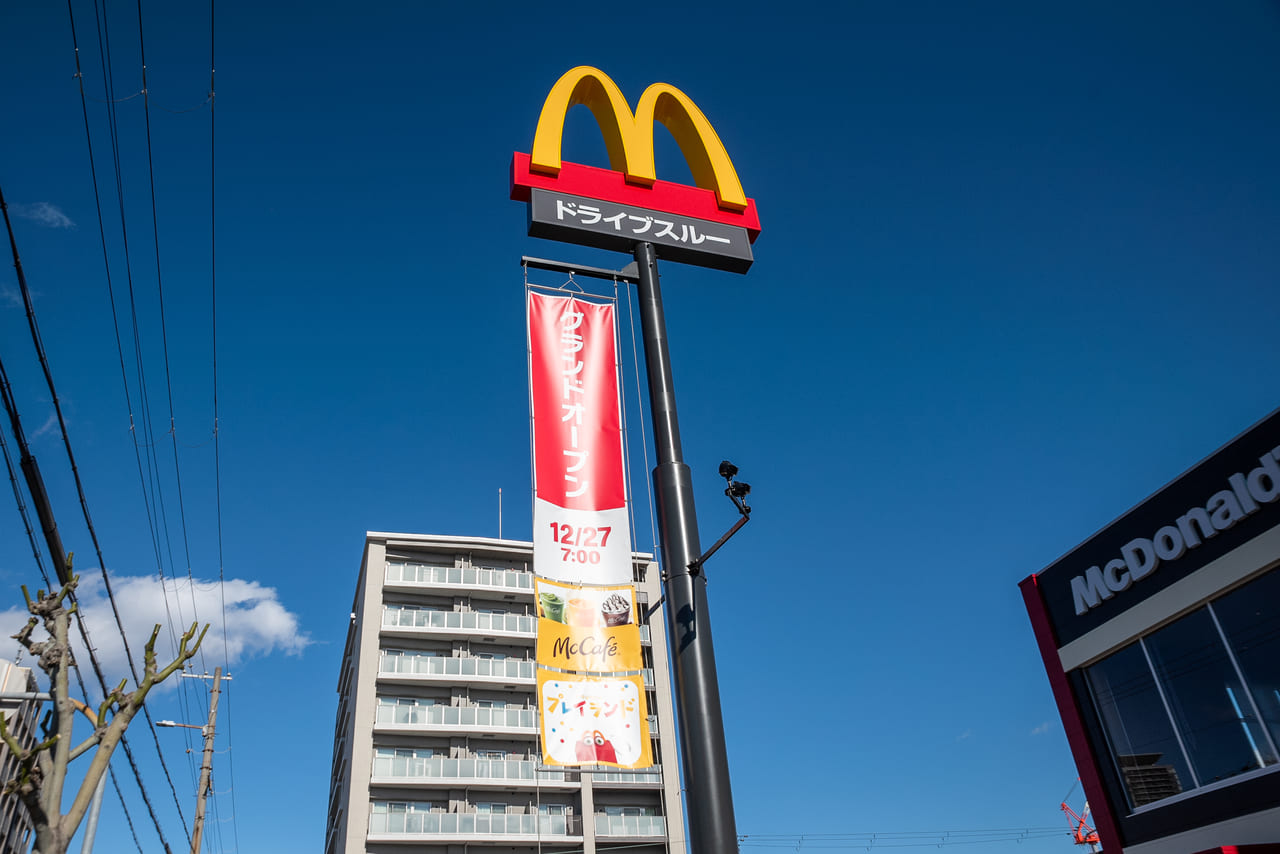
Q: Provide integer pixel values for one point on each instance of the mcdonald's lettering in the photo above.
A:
(632, 179)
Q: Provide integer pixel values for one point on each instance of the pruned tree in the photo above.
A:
(42, 767)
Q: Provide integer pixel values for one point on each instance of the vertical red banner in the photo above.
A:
(581, 532)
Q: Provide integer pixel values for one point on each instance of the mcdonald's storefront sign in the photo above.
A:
(711, 224)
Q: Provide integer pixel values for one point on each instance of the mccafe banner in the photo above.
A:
(591, 712)
(588, 628)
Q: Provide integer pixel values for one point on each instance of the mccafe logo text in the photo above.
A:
(1142, 556)
(604, 648)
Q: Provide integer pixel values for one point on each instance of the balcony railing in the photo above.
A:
(461, 716)
(434, 665)
(473, 576)
(649, 777)
(476, 621)
(459, 824)
(422, 769)
(631, 825)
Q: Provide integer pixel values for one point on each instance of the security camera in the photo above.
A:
(727, 469)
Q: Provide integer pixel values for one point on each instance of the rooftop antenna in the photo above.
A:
(499, 512)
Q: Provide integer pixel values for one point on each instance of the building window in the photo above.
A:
(402, 816)
(490, 808)
(1250, 620)
(402, 762)
(1195, 702)
(629, 811)
(402, 710)
(1221, 734)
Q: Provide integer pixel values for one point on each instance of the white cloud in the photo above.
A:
(965, 736)
(50, 424)
(9, 295)
(44, 213)
(1042, 729)
(257, 622)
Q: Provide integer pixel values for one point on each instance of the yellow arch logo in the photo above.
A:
(629, 137)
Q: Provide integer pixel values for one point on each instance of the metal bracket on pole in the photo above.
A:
(629, 273)
(736, 491)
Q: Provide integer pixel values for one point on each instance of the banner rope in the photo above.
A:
(644, 443)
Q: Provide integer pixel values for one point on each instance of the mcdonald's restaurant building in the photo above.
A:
(1160, 635)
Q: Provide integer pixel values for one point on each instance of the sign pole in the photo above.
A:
(705, 761)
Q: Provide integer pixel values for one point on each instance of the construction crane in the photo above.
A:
(1082, 833)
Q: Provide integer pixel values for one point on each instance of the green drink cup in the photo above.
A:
(552, 606)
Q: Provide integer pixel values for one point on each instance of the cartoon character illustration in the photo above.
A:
(594, 746)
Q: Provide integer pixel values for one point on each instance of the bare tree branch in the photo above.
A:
(42, 769)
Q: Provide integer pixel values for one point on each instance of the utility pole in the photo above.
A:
(709, 801)
(206, 767)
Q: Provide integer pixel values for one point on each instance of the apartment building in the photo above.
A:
(436, 744)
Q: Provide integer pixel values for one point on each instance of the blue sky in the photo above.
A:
(1018, 270)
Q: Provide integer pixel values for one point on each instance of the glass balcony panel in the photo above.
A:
(630, 825)
(423, 818)
(427, 663)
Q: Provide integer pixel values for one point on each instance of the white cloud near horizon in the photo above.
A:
(257, 623)
(1042, 729)
(43, 213)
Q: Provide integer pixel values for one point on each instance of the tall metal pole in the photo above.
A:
(206, 767)
(95, 810)
(709, 802)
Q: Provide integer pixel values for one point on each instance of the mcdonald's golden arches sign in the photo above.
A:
(710, 224)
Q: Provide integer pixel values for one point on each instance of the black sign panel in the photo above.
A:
(1224, 501)
(609, 225)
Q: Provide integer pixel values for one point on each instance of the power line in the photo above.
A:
(7, 393)
(153, 514)
(898, 839)
(153, 497)
(164, 331)
(217, 451)
(44, 510)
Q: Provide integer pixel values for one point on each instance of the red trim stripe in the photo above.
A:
(610, 186)
(1086, 763)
